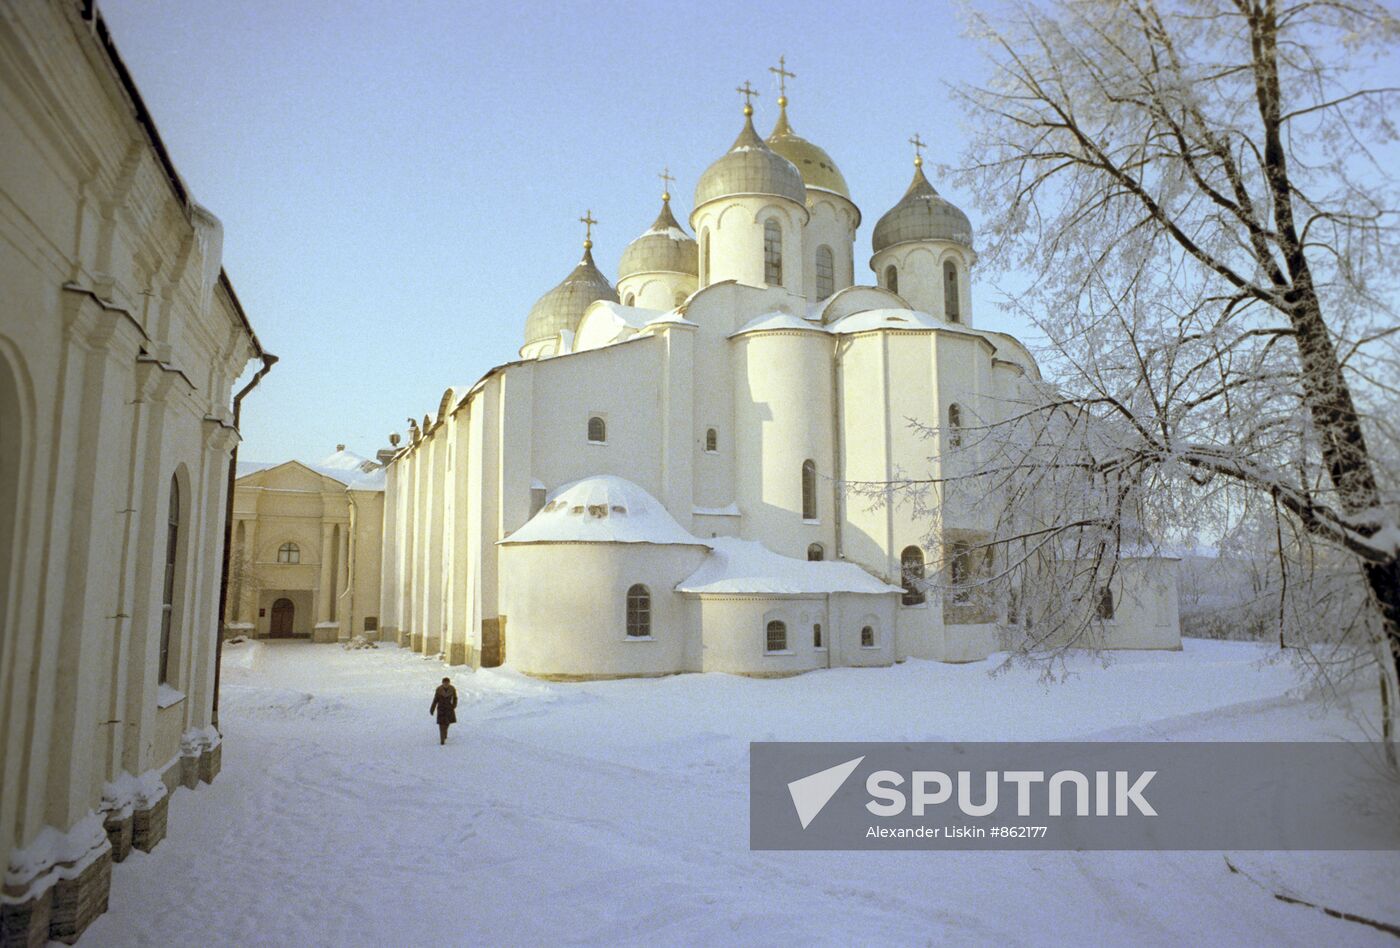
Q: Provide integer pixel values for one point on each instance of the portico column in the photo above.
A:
(326, 590)
(342, 586)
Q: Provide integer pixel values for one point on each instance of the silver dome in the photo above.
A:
(664, 248)
(562, 307)
(751, 167)
(922, 214)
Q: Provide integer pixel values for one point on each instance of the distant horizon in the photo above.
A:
(397, 191)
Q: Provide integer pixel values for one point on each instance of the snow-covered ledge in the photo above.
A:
(167, 696)
(53, 857)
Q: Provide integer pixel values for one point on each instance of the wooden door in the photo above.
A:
(283, 612)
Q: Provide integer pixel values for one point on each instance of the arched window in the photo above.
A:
(638, 612)
(289, 553)
(776, 638)
(1105, 603)
(772, 253)
(630, 300)
(955, 423)
(705, 256)
(911, 572)
(867, 636)
(891, 279)
(826, 272)
(950, 292)
(815, 553)
(711, 440)
(172, 563)
(817, 636)
(809, 490)
(597, 430)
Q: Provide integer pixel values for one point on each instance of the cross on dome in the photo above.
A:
(666, 179)
(748, 92)
(783, 75)
(919, 147)
(587, 221)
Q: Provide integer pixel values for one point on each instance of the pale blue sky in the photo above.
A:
(400, 181)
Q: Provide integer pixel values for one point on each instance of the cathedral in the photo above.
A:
(657, 484)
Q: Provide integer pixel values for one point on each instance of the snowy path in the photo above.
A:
(618, 812)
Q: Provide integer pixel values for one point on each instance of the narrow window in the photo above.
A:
(955, 421)
(891, 279)
(597, 430)
(777, 636)
(809, 490)
(638, 612)
(772, 253)
(817, 636)
(1105, 603)
(711, 440)
(867, 637)
(289, 553)
(705, 256)
(815, 553)
(631, 300)
(167, 601)
(911, 572)
(826, 272)
(950, 291)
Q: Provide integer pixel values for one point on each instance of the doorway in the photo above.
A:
(283, 614)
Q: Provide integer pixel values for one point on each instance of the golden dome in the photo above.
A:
(750, 167)
(817, 168)
(562, 307)
(663, 248)
(922, 214)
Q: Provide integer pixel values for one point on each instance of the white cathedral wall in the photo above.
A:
(663, 290)
(579, 627)
(832, 223)
(734, 628)
(782, 415)
(1145, 605)
(735, 225)
(920, 267)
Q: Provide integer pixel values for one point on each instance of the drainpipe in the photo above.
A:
(269, 360)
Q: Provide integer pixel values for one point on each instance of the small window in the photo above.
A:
(630, 300)
(826, 272)
(776, 637)
(638, 612)
(711, 440)
(371, 623)
(951, 305)
(955, 423)
(809, 490)
(705, 256)
(911, 571)
(289, 553)
(597, 430)
(867, 637)
(891, 279)
(772, 253)
(817, 636)
(1105, 603)
(172, 570)
(815, 553)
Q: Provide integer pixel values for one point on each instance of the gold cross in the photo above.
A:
(919, 147)
(587, 221)
(748, 92)
(666, 179)
(783, 75)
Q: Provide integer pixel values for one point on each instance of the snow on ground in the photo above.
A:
(618, 812)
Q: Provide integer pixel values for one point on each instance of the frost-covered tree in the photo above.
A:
(1198, 191)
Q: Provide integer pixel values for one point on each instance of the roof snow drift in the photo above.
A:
(747, 566)
(602, 509)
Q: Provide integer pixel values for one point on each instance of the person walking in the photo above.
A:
(445, 707)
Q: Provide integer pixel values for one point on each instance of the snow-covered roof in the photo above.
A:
(747, 566)
(602, 509)
(353, 470)
(871, 319)
(778, 320)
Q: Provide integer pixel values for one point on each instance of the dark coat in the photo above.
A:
(445, 704)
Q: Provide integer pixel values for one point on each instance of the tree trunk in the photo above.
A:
(1384, 580)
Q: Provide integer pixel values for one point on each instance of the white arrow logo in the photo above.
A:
(811, 793)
